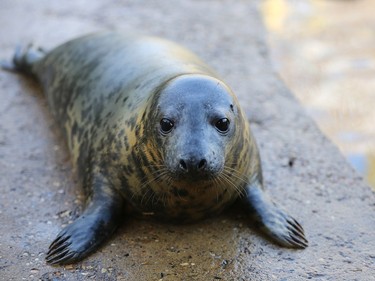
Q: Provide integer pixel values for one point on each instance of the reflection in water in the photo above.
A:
(324, 50)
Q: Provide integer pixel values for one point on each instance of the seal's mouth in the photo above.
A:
(195, 176)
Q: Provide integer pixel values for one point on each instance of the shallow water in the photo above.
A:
(324, 50)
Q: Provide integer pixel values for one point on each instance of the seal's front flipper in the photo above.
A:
(23, 60)
(283, 228)
(85, 234)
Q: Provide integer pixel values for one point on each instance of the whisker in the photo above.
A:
(158, 175)
(219, 182)
(152, 173)
(236, 174)
(227, 178)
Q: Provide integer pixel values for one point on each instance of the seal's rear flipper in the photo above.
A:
(23, 59)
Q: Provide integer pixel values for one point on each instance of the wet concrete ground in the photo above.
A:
(303, 170)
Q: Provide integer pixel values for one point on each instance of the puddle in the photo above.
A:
(324, 51)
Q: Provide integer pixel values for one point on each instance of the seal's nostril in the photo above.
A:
(183, 165)
(202, 164)
(192, 165)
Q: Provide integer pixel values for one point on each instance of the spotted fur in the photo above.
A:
(108, 93)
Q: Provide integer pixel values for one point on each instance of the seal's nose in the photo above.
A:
(192, 165)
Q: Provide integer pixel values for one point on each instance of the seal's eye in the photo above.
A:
(166, 125)
(222, 125)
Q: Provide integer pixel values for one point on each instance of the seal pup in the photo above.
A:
(151, 129)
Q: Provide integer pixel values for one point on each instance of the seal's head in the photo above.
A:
(196, 120)
(195, 137)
